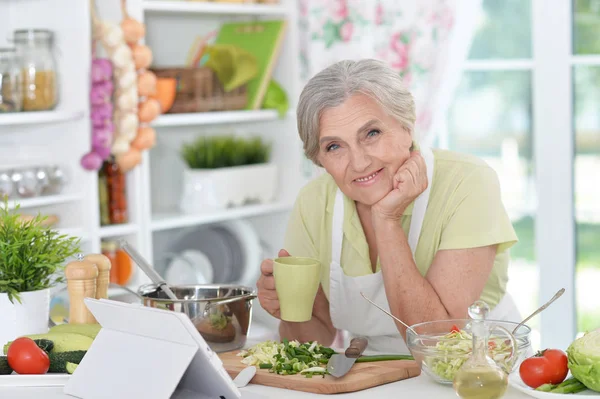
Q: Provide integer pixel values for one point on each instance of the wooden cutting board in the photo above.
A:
(361, 376)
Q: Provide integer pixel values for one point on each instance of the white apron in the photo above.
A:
(350, 312)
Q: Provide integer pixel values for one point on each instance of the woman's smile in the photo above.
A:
(368, 180)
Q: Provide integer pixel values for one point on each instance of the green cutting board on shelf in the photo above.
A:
(263, 39)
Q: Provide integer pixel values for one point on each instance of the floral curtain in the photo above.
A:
(425, 41)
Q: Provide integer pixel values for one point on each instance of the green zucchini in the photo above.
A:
(71, 367)
(59, 360)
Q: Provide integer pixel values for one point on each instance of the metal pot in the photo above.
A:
(220, 312)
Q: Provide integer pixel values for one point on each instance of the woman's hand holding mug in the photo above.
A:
(267, 296)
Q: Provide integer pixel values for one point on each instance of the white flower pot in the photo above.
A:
(25, 318)
(206, 190)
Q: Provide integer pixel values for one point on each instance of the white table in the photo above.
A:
(419, 387)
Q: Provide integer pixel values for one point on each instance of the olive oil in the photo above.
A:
(480, 383)
(480, 377)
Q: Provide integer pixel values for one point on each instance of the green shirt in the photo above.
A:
(465, 210)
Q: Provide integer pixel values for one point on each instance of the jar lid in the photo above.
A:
(32, 35)
(109, 246)
(7, 54)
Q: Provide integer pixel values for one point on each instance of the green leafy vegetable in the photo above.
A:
(32, 255)
(289, 357)
(225, 151)
(218, 320)
(584, 359)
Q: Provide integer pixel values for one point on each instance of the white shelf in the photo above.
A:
(214, 118)
(118, 230)
(202, 7)
(73, 232)
(166, 221)
(32, 118)
(42, 200)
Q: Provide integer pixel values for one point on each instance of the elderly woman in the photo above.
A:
(422, 233)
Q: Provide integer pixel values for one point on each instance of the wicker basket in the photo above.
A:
(199, 90)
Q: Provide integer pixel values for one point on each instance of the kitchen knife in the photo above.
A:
(340, 363)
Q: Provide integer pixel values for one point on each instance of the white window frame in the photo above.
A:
(553, 130)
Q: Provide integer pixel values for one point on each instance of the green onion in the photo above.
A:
(380, 358)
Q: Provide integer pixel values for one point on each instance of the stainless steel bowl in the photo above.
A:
(220, 312)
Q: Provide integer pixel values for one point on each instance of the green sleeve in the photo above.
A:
(475, 216)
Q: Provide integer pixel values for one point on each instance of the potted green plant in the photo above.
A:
(32, 258)
(226, 171)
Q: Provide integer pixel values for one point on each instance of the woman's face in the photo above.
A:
(362, 147)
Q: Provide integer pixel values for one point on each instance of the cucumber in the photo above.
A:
(58, 361)
(89, 330)
(63, 342)
(44, 344)
(4, 366)
(71, 367)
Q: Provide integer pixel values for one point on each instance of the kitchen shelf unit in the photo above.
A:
(214, 118)
(32, 118)
(118, 230)
(174, 220)
(64, 135)
(44, 200)
(201, 7)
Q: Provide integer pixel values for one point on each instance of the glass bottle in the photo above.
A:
(38, 66)
(480, 377)
(109, 249)
(117, 193)
(11, 99)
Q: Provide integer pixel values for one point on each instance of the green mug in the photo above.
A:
(296, 282)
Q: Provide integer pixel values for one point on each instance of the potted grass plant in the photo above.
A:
(226, 171)
(32, 258)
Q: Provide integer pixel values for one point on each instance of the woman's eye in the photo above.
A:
(373, 132)
(331, 147)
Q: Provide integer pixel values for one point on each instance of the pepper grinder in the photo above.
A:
(81, 277)
(103, 264)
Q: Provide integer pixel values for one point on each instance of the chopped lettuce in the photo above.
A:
(288, 357)
(453, 350)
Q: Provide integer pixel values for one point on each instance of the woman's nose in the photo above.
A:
(360, 160)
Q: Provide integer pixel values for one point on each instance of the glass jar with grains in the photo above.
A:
(38, 66)
(10, 81)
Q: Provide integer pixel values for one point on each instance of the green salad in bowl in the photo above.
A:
(442, 347)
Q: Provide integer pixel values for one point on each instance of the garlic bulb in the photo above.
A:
(112, 34)
(120, 146)
(125, 122)
(126, 79)
(127, 99)
(121, 56)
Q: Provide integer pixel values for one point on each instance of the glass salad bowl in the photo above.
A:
(441, 347)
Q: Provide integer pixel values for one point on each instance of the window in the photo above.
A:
(491, 117)
(529, 104)
(586, 106)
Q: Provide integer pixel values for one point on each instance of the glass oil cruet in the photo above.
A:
(480, 377)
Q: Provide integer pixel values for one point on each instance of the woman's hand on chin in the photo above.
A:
(409, 182)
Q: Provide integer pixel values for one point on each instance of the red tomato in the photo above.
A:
(25, 357)
(546, 367)
(454, 329)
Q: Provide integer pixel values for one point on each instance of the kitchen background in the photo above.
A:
(515, 82)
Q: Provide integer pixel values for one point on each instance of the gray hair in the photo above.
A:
(336, 83)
